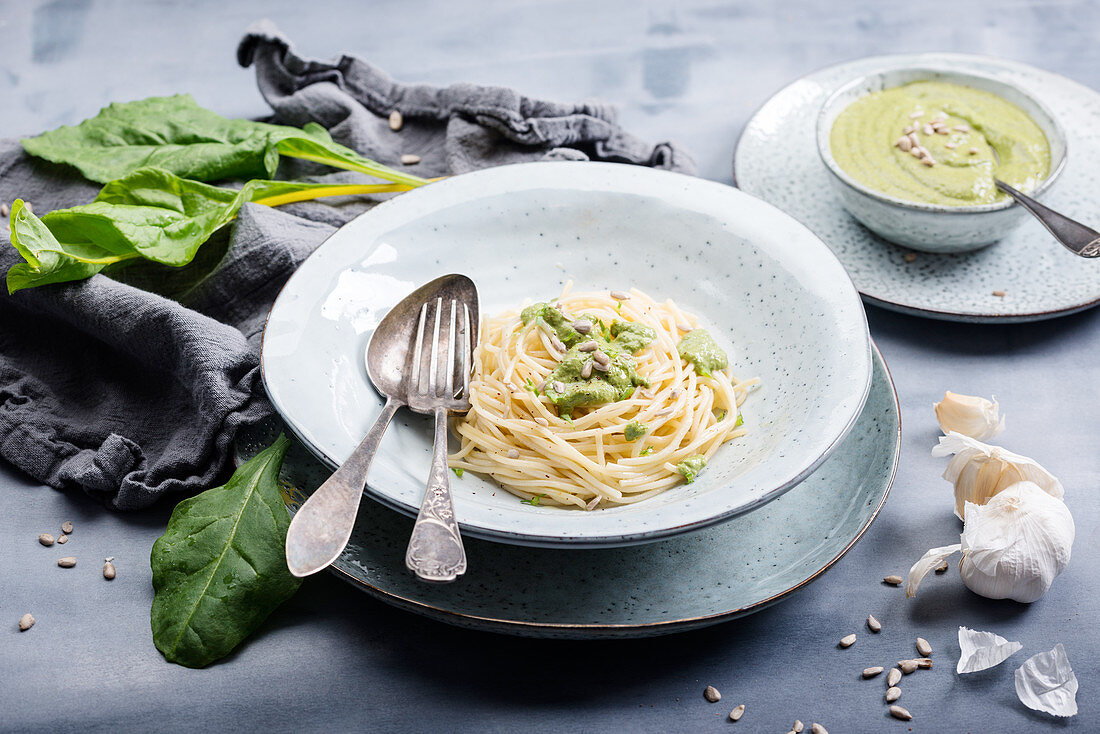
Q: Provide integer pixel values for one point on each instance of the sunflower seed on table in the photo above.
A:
(108, 570)
(66, 562)
(907, 666)
(67, 527)
(942, 568)
(872, 672)
(45, 539)
(63, 539)
(873, 624)
(396, 120)
(893, 693)
(738, 712)
(818, 729)
(848, 640)
(893, 580)
(410, 159)
(4, 211)
(893, 677)
(923, 647)
(797, 727)
(899, 713)
(26, 622)
(711, 694)
(923, 662)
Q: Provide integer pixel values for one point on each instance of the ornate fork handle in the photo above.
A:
(435, 550)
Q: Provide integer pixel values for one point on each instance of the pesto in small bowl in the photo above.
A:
(942, 143)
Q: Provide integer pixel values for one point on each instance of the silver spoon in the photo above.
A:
(439, 383)
(1074, 236)
(322, 526)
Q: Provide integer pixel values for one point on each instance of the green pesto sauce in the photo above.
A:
(635, 430)
(691, 466)
(1005, 141)
(619, 343)
(698, 347)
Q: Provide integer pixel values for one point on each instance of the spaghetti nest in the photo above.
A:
(515, 433)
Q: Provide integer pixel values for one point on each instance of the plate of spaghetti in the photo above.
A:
(660, 353)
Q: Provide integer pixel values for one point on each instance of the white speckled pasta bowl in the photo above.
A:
(766, 287)
(1027, 276)
(931, 227)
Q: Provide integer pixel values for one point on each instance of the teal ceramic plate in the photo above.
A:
(690, 581)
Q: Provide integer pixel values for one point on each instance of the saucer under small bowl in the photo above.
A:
(924, 226)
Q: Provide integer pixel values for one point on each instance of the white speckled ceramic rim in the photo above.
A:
(829, 110)
(596, 631)
(810, 257)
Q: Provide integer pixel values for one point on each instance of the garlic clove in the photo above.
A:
(979, 471)
(927, 562)
(983, 650)
(1016, 544)
(969, 415)
(1045, 682)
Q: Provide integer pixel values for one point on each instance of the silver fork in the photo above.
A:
(439, 383)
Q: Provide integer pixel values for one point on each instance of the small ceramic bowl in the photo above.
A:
(933, 227)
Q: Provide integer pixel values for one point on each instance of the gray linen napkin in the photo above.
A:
(133, 386)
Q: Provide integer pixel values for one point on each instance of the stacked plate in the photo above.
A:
(773, 510)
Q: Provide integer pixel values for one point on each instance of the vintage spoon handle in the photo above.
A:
(435, 550)
(1074, 236)
(323, 525)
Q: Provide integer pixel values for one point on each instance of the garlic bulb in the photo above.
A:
(969, 415)
(1014, 545)
(980, 471)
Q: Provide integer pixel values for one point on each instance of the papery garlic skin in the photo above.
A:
(1014, 545)
(969, 415)
(979, 471)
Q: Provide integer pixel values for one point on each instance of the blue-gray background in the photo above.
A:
(333, 659)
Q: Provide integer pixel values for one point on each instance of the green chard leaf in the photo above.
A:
(47, 260)
(219, 569)
(175, 134)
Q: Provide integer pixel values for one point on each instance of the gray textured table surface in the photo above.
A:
(334, 660)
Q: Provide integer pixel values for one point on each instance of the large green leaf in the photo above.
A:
(175, 134)
(220, 568)
(47, 260)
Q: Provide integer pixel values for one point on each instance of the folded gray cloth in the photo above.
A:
(133, 385)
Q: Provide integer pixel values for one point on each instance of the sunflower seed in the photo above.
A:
(872, 672)
(999, 294)
(973, 151)
(893, 580)
(108, 570)
(907, 666)
(873, 624)
(893, 677)
(912, 116)
(737, 713)
(4, 211)
(600, 367)
(923, 647)
(927, 129)
(67, 527)
(513, 454)
(589, 346)
(962, 128)
(848, 640)
(928, 161)
(797, 727)
(586, 370)
(541, 421)
(45, 539)
(559, 386)
(924, 663)
(557, 344)
(893, 693)
(916, 151)
(63, 539)
(684, 327)
(711, 694)
(66, 562)
(942, 568)
(601, 358)
(899, 713)
(904, 143)
(818, 729)
(910, 257)
(26, 622)
(396, 120)
(582, 325)
(620, 296)
(410, 159)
